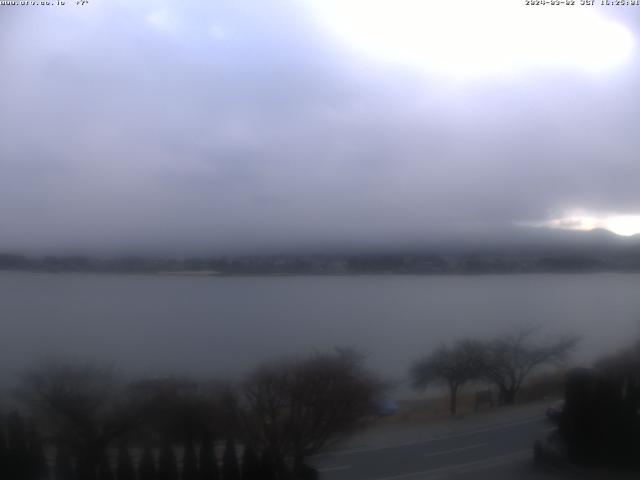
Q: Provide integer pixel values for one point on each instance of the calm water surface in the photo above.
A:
(224, 326)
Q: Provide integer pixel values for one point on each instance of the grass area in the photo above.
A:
(545, 386)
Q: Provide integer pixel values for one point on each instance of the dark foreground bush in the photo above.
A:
(600, 423)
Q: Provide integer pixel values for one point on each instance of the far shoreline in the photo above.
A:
(218, 274)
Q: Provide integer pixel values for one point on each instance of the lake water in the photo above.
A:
(225, 326)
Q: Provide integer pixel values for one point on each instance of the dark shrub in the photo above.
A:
(63, 466)
(600, 423)
(124, 468)
(230, 468)
(38, 465)
(167, 463)
(18, 461)
(250, 465)
(147, 467)
(189, 462)
(104, 469)
(208, 462)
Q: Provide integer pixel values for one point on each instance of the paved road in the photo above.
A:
(500, 447)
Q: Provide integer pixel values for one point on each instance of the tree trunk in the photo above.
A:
(508, 396)
(453, 399)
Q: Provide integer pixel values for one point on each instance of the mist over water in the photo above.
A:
(223, 327)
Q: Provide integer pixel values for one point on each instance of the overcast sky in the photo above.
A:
(243, 125)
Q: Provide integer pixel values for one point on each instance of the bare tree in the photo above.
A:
(295, 409)
(453, 366)
(83, 406)
(183, 409)
(511, 358)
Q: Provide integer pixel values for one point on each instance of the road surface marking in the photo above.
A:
(487, 462)
(501, 426)
(334, 469)
(453, 450)
(479, 464)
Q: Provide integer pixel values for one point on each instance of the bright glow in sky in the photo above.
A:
(625, 225)
(474, 38)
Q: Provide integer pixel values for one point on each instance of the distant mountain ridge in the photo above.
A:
(515, 250)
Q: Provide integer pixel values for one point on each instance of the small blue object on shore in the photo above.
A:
(385, 407)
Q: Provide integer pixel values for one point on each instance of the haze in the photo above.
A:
(248, 126)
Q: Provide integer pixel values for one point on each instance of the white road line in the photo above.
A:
(454, 450)
(501, 426)
(334, 469)
(487, 462)
(480, 464)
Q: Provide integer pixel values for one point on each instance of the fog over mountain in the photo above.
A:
(251, 126)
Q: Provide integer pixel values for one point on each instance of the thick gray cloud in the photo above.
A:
(246, 125)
